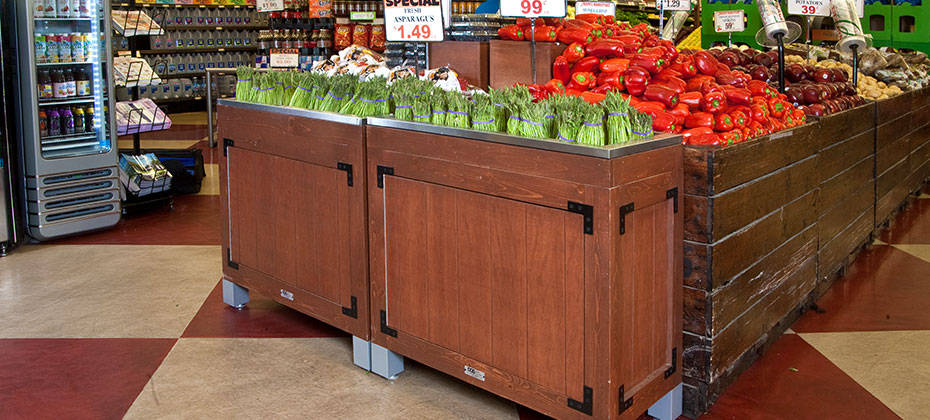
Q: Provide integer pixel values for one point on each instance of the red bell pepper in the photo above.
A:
(672, 82)
(760, 88)
(592, 97)
(573, 52)
(555, 87)
(524, 22)
(671, 51)
(551, 21)
(605, 47)
(579, 24)
(714, 102)
(544, 33)
(572, 92)
(695, 83)
(614, 79)
(574, 35)
(589, 17)
(739, 119)
(705, 63)
(777, 107)
(649, 107)
(650, 40)
(632, 99)
(689, 134)
(705, 139)
(723, 122)
(604, 89)
(538, 92)
(668, 72)
(700, 119)
(684, 64)
(635, 79)
(759, 113)
(582, 81)
(681, 112)
(737, 96)
(799, 116)
(628, 39)
(561, 69)
(661, 92)
(710, 86)
(655, 51)
(664, 122)
(614, 64)
(586, 64)
(634, 48)
(691, 99)
(649, 63)
(511, 32)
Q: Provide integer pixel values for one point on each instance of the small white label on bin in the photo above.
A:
(287, 295)
(729, 21)
(596, 7)
(474, 373)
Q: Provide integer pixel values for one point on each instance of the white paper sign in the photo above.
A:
(413, 20)
(671, 5)
(595, 7)
(729, 21)
(284, 57)
(269, 5)
(533, 8)
(818, 7)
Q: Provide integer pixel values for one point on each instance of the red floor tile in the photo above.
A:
(912, 226)
(886, 289)
(75, 378)
(195, 220)
(260, 318)
(210, 154)
(794, 381)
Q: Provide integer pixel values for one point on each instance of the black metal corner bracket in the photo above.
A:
(384, 328)
(227, 143)
(353, 311)
(623, 212)
(382, 171)
(232, 264)
(673, 194)
(585, 210)
(586, 406)
(671, 370)
(624, 404)
(348, 168)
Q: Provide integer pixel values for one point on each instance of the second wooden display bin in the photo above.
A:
(293, 205)
(544, 272)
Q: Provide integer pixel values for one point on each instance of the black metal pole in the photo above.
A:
(855, 54)
(781, 62)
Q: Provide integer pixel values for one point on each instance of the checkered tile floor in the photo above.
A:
(130, 322)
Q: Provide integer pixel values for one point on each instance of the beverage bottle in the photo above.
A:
(237, 18)
(171, 64)
(64, 8)
(230, 60)
(201, 60)
(59, 84)
(43, 124)
(211, 61)
(77, 47)
(200, 16)
(178, 39)
(78, 119)
(188, 88)
(70, 82)
(67, 121)
(187, 17)
(89, 120)
(46, 88)
(210, 39)
(64, 48)
(82, 82)
(201, 37)
(41, 48)
(190, 42)
(38, 8)
(53, 123)
(246, 17)
(230, 38)
(75, 8)
(176, 88)
(160, 66)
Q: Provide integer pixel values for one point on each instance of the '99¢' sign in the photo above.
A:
(533, 8)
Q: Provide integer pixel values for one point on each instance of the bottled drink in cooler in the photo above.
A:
(78, 54)
(59, 84)
(78, 119)
(43, 124)
(64, 48)
(82, 82)
(89, 120)
(54, 122)
(70, 82)
(46, 88)
(66, 121)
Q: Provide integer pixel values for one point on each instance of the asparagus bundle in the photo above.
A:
(421, 109)
(457, 110)
(533, 120)
(592, 126)
(371, 99)
(484, 114)
(341, 91)
(291, 81)
(569, 120)
(438, 98)
(303, 93)
(619, 112)
(642, 126)
(244, 83)
(499, 99)
(266, 84)
(319, 86)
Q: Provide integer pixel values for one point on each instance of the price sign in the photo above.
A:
(284, 57)
(729, 21)
(675, 5)
(595, 7)
(533, 8)
(269, 5)
(818, 7)
(413, 20)
(362, 16)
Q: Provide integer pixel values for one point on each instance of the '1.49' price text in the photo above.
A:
(413, 31)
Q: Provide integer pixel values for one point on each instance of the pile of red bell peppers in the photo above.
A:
(584, 28)
(692, 94)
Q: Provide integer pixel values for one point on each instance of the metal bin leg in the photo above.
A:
(669, 407)
(234, 295)
(370, 356)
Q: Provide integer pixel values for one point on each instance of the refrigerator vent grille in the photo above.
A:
(100, 173)
(78, 213)
(55, 192)
(80, 200)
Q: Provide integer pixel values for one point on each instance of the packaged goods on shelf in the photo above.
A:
(130, 71)
(142, 175)
(134, 22)
(469, 27)
(140, 116)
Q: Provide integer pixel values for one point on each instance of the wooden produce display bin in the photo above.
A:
(750, 251)
(294, 209)
(511, 62)
(469, 59)
(847, 189)
(902, 150)
(544, 272)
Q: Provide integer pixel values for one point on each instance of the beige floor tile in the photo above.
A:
(104, 290)
(923, 195)
(919, 251)
(189, 118)
(300, 378)
(211, 182)
(892, 365)
(879, 242)
(159, 144)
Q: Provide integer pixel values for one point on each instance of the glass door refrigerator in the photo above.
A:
(68, 151)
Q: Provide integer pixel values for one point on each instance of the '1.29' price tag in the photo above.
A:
(729, 21)
(533, 8)
(671, 5)
(413, 20)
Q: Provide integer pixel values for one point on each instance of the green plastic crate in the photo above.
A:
(878, 20)
(920, 15)
(708, 35)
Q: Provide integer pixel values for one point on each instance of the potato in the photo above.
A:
(882, 85)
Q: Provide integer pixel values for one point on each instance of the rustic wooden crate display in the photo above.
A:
(510, 62)
(470, 59)
(510, 260)
(902, 150)
(294, 211)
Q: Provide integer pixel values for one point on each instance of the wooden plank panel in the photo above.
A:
(654, 163)
(698, 169)
(405, 234)
(736, 165)
(696, 307)
(846, 154)
(509, 250)
(697, 215)
(641, 226)
(327, 219)
(843, 125)
(441, 259)
(285, 216)
(249, 206)
(836, 189)
(307, 232)
(845, 212)
(896, 152)
(891, 108)
(343, 243)
(473, 219)
(889, 179)
(575, 331)
(697, 265)
(545, 279)
(663, 227)
(265, 217)
(834, 253)
(233, 197)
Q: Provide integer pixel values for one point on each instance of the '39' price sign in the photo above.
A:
(818, 7)
(413, 20)
(533, 8)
